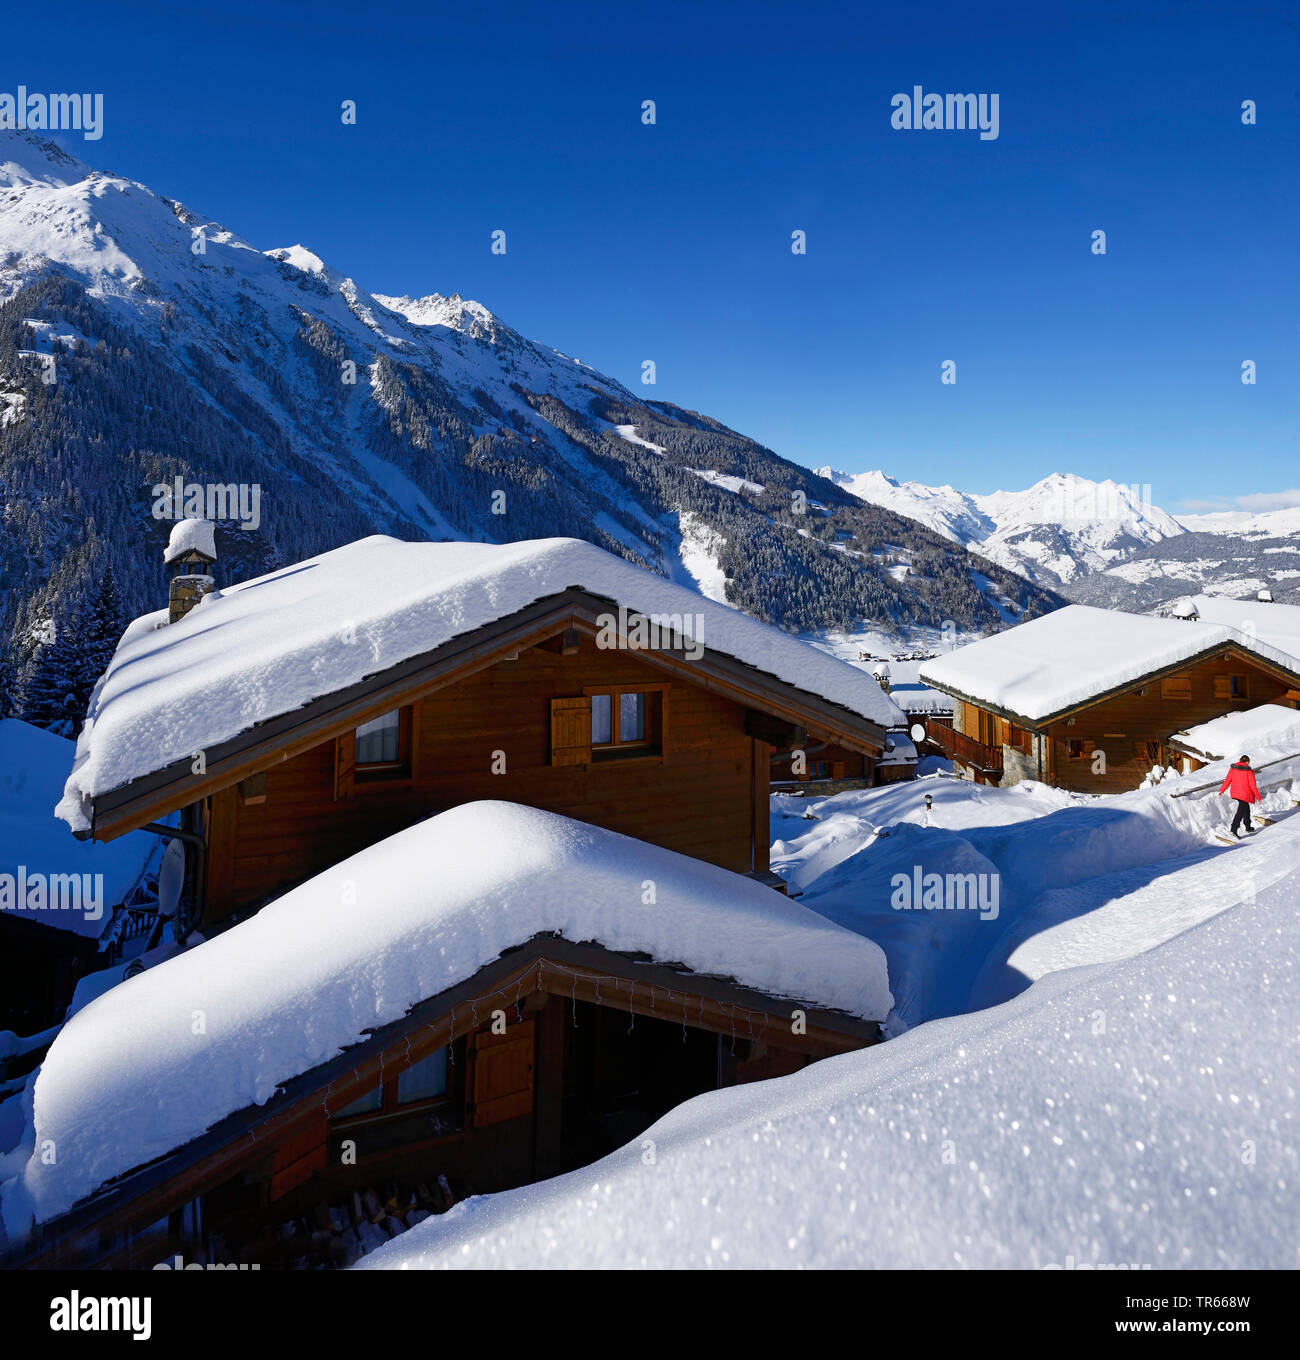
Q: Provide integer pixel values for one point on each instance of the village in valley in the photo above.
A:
(460, 809)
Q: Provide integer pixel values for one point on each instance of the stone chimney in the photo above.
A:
(191, 549)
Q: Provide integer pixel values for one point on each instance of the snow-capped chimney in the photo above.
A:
(191, 549)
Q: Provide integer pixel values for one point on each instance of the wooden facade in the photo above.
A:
(1109, 743)
(498, 734)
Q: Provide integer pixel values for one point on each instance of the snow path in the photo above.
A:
(1049, 855)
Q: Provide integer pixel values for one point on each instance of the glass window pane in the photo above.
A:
(600, 716)
(631, 717)
(379, 742)
(368, 1103)
(424, 1080)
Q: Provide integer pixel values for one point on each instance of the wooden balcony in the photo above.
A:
(965, 750)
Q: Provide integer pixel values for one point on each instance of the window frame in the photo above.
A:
(653, 745)
(1232, 685)
(378, 771)
(389, 1107)
(1179, 680)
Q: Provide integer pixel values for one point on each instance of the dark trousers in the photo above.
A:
(1243, 815)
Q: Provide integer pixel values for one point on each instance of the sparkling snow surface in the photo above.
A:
(128, 1078)
(1073, 654)
(1136, 1111)
(271, 645)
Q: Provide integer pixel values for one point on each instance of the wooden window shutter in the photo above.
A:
(503, 1073)
(345, 765)
(571, 730)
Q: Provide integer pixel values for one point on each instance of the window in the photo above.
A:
(1077, 748)
(626, 722)
(1148, 752)
(1018, 738)
(1231, 687)
(423, 1083)
(424, 1080)
(383, 746)
(1176, 687)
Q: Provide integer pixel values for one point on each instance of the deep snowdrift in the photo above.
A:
(1140, 1114)
(129, 1079)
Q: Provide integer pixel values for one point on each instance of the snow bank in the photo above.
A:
(1049, 664)
(271, 645)
(1137, 1114)
(128, 1079)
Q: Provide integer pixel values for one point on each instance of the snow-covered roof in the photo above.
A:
(900, 750)
(1241, 733)
(191, 535)
(1070, 656)
(128, 1078)
(1275, 625)
(268, 646)
(907, 691)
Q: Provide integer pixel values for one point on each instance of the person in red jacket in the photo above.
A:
(1239, 783)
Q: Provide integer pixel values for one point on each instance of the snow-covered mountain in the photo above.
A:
(141, 341)
(1061, 528)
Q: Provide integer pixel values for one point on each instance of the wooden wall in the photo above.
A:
(706, 797)
(1116, 725)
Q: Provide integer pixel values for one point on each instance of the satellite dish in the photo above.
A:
(918, 732)
(171, 878)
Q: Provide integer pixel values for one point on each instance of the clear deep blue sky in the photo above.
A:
(672, 242)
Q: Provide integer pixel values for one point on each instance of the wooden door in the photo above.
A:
(503, 1073)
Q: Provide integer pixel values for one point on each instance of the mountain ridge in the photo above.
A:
(141, 341)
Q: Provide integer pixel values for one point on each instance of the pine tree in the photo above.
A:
(104, 624)
(48, 684)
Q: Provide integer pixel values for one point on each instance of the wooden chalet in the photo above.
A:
(671, 743)
(1088, 699)
(328, 709)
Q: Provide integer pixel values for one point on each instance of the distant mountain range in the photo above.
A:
(1100, 542)
(141, 342)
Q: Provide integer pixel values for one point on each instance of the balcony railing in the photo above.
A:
(966, 750)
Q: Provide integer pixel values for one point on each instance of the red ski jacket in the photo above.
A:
(1240, 783)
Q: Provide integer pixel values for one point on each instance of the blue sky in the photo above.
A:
(672, 242)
